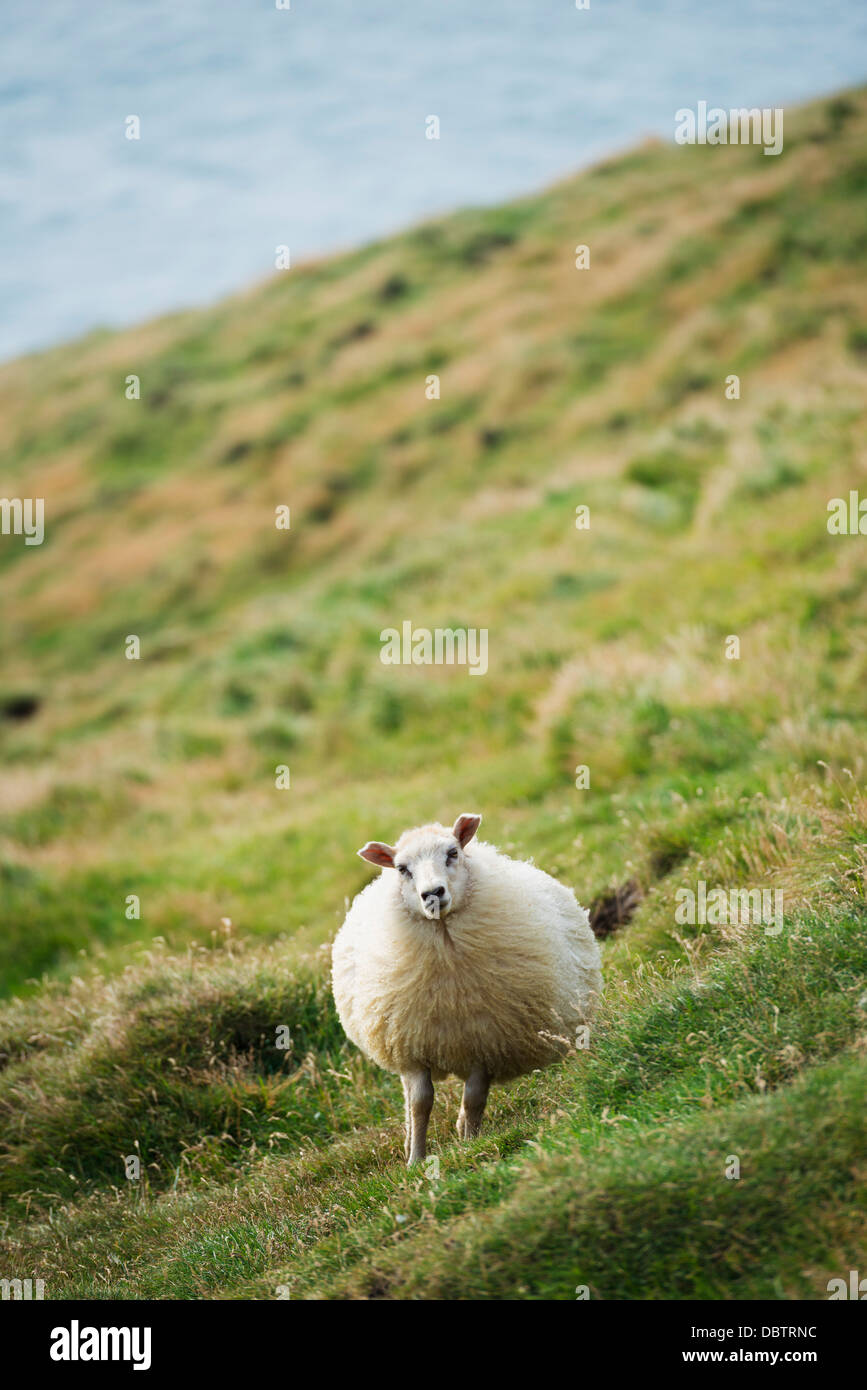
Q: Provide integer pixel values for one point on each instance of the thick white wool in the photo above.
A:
(503, 980)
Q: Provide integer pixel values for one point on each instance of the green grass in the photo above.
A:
(267, 1168)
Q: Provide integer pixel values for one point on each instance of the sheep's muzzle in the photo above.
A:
(433, 906)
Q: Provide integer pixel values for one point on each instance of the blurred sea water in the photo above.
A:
(306, 126)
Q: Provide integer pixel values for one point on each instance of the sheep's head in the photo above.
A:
(431, 865)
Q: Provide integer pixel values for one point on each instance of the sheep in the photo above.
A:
(461, 961)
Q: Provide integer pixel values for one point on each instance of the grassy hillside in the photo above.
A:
(266, 1169)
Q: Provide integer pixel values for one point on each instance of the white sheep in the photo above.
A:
(461, 961)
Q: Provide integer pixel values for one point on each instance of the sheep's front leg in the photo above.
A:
(419, 1094)
(407, 1118)
(473, 1104)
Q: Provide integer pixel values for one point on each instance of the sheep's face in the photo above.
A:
(431, 865)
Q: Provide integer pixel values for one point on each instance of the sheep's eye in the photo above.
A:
(404, 870)
(452, 855)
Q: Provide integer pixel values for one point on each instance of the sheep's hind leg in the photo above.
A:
(473, 1104)
(419, 1092)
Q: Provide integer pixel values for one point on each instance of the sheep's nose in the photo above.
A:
(438, 892)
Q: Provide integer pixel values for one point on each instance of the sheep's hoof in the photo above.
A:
(466, 1128)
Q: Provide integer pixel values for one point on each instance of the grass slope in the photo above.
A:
(271, 1171)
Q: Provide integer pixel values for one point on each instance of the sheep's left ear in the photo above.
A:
(465, 828)
(378, 853)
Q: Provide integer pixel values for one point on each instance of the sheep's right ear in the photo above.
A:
(378, 853)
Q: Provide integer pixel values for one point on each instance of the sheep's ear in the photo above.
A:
(465, 828)
(378, 853)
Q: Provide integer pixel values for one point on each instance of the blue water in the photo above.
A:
(305, 127)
